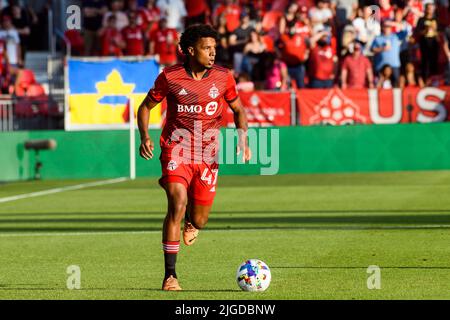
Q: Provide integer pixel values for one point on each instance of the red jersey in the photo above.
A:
(194, 109)
(147, 17)
(2, 56)
(321, 62)
(166, 43)
(110, 37)
(357, 70)
(195, 8)
(232, 14)
(134, 40)
(293, 49)
(387, 13)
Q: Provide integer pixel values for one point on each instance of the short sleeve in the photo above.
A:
(160, 88)
(375, 43)
(367, 63)
(345, 64)
(231, 92)
(402, 35)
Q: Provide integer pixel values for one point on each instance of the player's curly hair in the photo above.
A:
(194, 33)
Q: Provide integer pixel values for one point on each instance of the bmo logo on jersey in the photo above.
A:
(210, 109)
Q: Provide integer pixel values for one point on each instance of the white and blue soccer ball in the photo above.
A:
(253, 275)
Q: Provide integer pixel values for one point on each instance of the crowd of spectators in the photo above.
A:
(16, 25)
(280, 44)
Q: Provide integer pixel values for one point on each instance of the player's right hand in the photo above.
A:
(146, 148)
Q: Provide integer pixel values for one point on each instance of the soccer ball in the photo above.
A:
(253, 275)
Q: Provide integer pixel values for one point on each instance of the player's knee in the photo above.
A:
(177, 212)
(199, 222)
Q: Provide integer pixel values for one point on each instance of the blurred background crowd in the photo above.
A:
(271, 45)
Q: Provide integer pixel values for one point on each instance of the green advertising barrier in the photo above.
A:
(360, 148)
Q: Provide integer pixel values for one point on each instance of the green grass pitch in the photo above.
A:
(317, 233)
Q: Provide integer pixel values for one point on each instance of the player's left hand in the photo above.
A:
(246, 152)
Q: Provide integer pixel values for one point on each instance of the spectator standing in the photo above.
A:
(117, 9)
(427, 35)
(302, 23)
(238, 40)
(294, 49)
(289, 18)
(356, 70)
(413, 11)
(164, 42)
(223, 56)
(10, 36)
(232, 12)
(22, 23)
(175, 13)
(93, 11)
(276, 73)
(322, 60)
(345, 11)
(133, 37)
(386, 48)
(148, 17)
(386, 10)
(410, 78)
(111, 38)
(253, 52)
(386, 78)
(4, 68)
(321, 14)
(446, 47)
(197, 12)
(367, 29)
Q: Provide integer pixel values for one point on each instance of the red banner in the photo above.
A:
(263, 109)
(339, 107)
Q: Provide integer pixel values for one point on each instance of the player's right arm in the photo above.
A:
(155, 96)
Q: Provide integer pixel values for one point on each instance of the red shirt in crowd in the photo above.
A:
(387, 13)
(165, 45)
(195, 8)
(293, 48)
(232, 14)
(147, 17)
(321, 62)
(134, 41)
(302, 29)
(411, 18)
(356, 67)
(3, 59)
(110, 37)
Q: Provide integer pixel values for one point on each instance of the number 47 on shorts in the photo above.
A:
(210, 178)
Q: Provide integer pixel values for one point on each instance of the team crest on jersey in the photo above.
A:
(172, 166)
(214, 92)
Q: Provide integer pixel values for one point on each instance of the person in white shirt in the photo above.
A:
(367, 29)
(10, 35)
(117, 7)
(174, 11)
(321, 14)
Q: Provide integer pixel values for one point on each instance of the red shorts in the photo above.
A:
(200, 180)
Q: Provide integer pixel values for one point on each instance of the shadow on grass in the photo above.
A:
(29, 288)
(342, 267)
(214, 213)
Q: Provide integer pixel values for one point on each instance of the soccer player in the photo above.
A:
(195, 91)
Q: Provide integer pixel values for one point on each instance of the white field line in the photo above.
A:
(96, 233)
(62, 189)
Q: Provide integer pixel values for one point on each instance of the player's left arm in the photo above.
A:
(240, 120)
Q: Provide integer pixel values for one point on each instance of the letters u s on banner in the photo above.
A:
(360, 106)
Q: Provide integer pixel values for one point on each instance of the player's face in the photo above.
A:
(205, 52)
